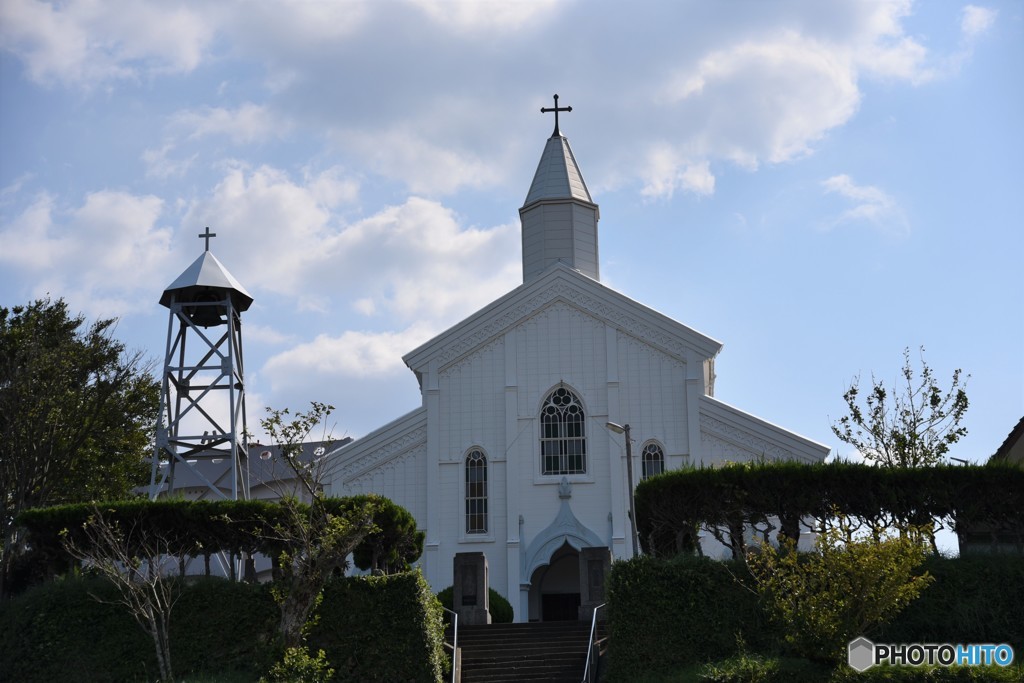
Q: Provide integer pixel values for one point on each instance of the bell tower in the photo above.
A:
(559, 217)
(201, 431)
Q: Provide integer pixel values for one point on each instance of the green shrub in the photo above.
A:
(938, 674)
(974, 599)
(666, 614)
(298, 666)
(384, 628)
(751, 668)
(381, 628)
(221, 625)
(501, 609)
(60, 632)
(822, 600)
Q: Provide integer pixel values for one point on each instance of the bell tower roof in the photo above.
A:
(206, 273)
(558, 175)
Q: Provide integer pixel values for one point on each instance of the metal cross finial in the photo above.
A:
(207, 235)
(556, 109)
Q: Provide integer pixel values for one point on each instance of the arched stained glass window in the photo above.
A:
(563, 443)
(653, 460)
(476, 492)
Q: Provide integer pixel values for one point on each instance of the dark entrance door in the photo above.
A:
(560, 606)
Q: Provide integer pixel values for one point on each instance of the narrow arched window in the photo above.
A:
(563, 443)
(476, 493)
(653, 460)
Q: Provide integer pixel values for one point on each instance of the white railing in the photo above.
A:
(590, 642)
(455, 642)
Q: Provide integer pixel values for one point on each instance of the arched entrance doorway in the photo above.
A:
(555, 587)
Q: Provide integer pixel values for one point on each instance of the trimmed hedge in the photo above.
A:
(672, 505)
(381, 628)
(59, 632)
(754, 669)
(938, 674)
(667, 615)
(974, 599)
(372, 628)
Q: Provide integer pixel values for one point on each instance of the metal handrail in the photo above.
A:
(590, 642)
(455, 640)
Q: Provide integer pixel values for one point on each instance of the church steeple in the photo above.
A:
(559, 218)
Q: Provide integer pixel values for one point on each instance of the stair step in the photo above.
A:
(502, 653)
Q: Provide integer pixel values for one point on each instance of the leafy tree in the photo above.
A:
(317, 541)
(849, 586)
(76, 414)
(395, 545)
(912, 426)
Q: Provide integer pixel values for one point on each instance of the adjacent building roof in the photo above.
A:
(1012, 449)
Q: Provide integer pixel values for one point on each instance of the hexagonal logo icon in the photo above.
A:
(860, 654)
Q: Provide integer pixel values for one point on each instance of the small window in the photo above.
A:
(653, 460)
(476, 493)
(563, 443)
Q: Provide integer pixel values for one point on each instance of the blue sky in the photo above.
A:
(817, 185)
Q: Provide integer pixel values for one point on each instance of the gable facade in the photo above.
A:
(509, 453)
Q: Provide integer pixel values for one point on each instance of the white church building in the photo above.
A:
(510, 455)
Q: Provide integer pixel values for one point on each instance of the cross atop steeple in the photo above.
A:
(556, 109)
(207, 235)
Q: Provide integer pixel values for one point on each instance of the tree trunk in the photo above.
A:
(158, 630)
(737, 544)
(295, 609)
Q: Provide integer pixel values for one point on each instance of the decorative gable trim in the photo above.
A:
(733, 431)
(566, 285)
(383, 449)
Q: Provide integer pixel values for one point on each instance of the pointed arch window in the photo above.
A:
(652, 460)
(563, 443)
(476, 492)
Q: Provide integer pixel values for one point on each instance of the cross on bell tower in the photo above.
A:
(207, 235)
(201, 431)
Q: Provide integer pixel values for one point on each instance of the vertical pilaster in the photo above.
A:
(432, 546)
(513, 463)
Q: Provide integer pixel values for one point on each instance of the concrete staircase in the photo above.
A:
(548, 651)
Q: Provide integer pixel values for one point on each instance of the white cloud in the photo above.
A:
(426, 166)
(870, 204)
(246, 124)
(412, 260)
(272, 227)
(283, 30)
(352, 354)
(160, 164)
(665, 172)
(359, 372)
(976, 21)
(487, 15)
(753, 102)
(264, 334)
(98, 255)
(87, 42)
